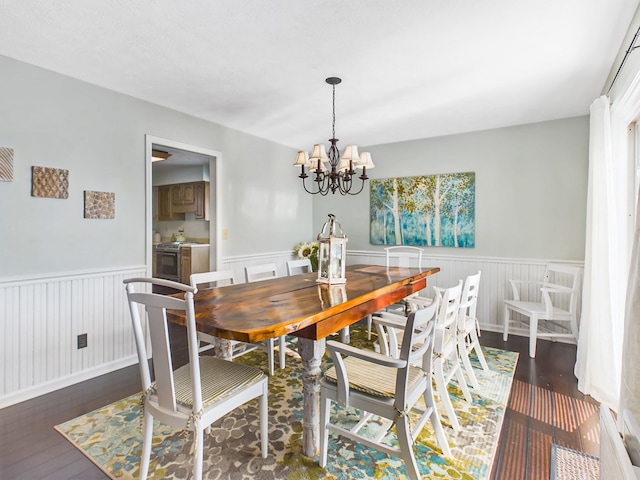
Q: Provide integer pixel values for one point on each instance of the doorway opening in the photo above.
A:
(183, 169)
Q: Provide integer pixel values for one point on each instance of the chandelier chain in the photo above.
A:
(333, 124)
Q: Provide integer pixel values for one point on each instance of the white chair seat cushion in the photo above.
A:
(219, 378)
(373, 379)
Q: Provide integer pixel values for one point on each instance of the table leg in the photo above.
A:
(311, 352)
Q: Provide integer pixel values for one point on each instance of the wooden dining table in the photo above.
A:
(298, 305)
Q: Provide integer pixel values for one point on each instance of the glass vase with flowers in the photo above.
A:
(308, 250)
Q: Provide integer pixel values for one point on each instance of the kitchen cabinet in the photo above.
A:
(154, 202)
(193, 259)
(171, 202)
(154, 266)
(202, 200)
(183, 197)
(165, 212)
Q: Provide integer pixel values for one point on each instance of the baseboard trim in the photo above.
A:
(44, 388)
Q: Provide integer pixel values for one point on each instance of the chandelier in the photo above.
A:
(339, 174)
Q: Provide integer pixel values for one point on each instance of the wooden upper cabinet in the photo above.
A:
(154, 198)
(164, 203)
(202, 200)
(171, 202)
(183, 197)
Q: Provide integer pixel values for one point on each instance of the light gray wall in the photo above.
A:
(531, 188)
(98, 135)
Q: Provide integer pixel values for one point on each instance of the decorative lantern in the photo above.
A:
(332, 254)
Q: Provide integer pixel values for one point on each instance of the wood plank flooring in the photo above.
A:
(545, 406)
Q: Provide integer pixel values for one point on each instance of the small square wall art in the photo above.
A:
(49, 182)
(101, 205)
(6, 164)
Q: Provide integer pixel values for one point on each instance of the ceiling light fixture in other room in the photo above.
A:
(159, 155)
(339, 175)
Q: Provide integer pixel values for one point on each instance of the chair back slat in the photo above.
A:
(404, 256)
(423, 334)
(218, 278)
(296, 267)
(256, 273)
(162, 363)
(420, 327)
(568, 276)
(469, 296)
(449, 306)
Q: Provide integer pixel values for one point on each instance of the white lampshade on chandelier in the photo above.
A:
(332, 172)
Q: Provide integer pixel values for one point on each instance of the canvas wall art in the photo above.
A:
(6, 164)
(49, 182)
(425, 211)
(100, 205)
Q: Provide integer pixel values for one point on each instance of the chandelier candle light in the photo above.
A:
(341, 172)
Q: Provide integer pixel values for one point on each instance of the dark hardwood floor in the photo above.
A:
(545, 406)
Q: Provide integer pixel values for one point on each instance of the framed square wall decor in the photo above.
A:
(101, 205)
(49, 182)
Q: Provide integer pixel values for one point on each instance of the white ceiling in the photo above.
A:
(410, 69)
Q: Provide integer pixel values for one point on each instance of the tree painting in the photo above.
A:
(431, 210)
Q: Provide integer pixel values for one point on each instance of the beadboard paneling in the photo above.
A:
(41, 319)
(494, 282)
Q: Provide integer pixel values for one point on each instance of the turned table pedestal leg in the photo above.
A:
(311, 352)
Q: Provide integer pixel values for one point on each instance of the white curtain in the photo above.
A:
(598, 365)
(630, 388)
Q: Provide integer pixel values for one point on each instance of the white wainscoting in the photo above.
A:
(41, 319)
(494, 282)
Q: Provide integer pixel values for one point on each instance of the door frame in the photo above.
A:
(215, 174)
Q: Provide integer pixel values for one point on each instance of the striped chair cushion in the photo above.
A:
(219, 378)
(373, 379)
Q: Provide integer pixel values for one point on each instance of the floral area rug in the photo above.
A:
(112, 439)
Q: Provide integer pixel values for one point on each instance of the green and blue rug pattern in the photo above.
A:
(112, 439)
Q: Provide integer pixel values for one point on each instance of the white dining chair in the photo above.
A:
(400, 256)
(468, 327)
(296, 267)
(257, 273)
(195, 395)
(211, 279)
(382, 387)
(237, 348)
(551, 311)
(447, 364)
